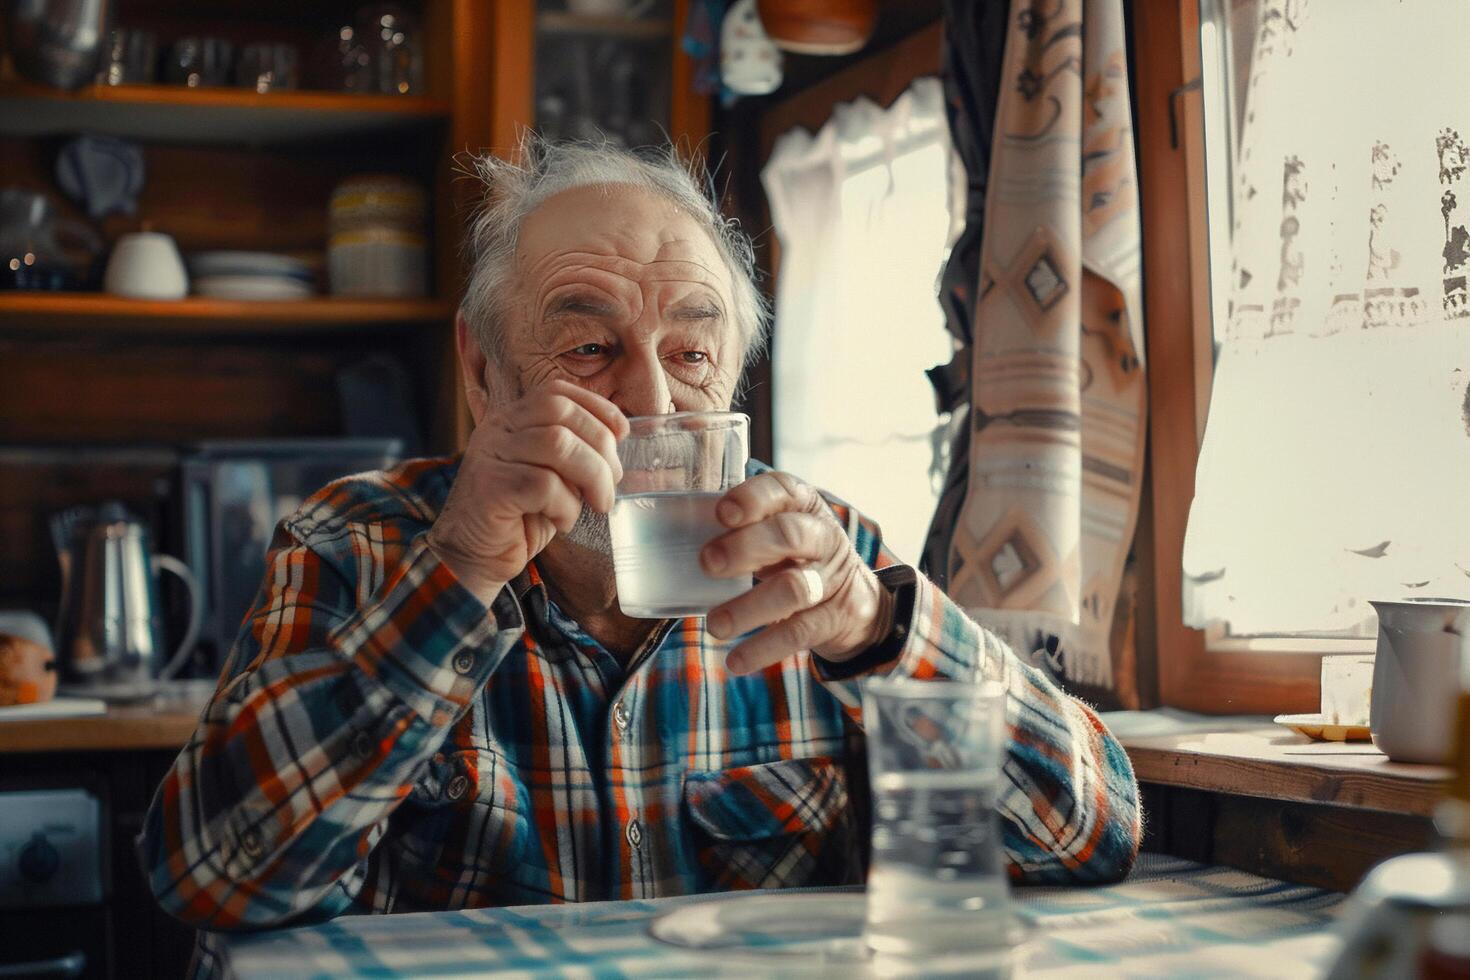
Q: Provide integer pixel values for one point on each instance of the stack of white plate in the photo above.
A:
(250, 275)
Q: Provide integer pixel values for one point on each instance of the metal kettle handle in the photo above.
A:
(168, 563)
(61, 968)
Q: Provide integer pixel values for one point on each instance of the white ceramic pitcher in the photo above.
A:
(1416, 677)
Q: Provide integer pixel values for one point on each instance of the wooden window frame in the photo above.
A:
(1195, 674)
(881, 77)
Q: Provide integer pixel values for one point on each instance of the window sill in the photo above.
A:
(1253, 757)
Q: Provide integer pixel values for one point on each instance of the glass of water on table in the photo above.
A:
(937, 889)
(675, 469)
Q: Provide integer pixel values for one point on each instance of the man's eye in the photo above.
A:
(589, 350)
(692, 356)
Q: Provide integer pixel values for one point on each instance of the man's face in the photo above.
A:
(622, 293)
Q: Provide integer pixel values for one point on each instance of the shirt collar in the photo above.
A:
(528, 581)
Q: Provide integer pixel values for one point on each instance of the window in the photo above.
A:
(1336, 448)
(1305, 205)
(1232, 33)
(862, 213)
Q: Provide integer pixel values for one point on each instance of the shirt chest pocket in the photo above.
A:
(467, 804)
(775, 825)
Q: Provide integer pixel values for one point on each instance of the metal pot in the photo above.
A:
(58, 42)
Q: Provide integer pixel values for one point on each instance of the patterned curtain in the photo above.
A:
(1037, 549)
(974, 46)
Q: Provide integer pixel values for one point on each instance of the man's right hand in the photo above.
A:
(526, 472)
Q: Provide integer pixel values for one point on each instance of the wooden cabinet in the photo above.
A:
(230, 168)
(538, 41)
(126, 935)
(233, 168)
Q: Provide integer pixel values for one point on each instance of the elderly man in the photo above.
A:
(436, 702)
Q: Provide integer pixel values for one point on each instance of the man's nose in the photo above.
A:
(643, 388)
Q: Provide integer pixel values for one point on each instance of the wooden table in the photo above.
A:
(1171, 918)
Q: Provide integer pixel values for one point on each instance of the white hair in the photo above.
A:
(543, 168)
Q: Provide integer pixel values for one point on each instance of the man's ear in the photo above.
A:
(472, 364)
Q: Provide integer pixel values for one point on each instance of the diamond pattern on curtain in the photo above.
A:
(1038, 548)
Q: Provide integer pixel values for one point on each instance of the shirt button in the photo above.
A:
(457, 787)
(620, 716)
(464, 662)
(251, 843)
(362, 744)
(635, 834)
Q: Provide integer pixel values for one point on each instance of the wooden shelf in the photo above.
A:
(622, 28)
(174, 113)
(1272, 762)
(38, 313)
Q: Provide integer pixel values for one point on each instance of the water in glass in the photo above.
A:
(937, 883)
(656, 542)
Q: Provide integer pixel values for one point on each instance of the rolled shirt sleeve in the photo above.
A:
(332, 701)
(1069, 798)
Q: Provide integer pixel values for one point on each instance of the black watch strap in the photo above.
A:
(902, 582)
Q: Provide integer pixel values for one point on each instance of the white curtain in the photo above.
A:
(1336, 460)
(862, 213)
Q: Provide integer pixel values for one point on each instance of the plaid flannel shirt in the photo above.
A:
(381, 742)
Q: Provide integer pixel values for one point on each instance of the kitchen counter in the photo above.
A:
(163, 725)
(105, 770)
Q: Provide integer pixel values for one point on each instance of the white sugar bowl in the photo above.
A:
(146, 265)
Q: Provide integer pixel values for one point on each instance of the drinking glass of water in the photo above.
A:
(675, 469)
(937, 884)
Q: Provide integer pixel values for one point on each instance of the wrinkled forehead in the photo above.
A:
(652, 234)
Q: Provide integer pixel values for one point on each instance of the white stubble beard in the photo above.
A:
(591, 532)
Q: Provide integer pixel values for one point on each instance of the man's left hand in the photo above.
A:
(813, 592)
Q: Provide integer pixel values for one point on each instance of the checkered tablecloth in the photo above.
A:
(1171, 918)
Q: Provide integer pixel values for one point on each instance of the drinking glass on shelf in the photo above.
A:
(131, 57)
(340, 61)
(197, 61)
(937, 884)
(269, 67)
(675, 469)
(391, 37)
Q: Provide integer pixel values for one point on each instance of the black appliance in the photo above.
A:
(234, 494)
